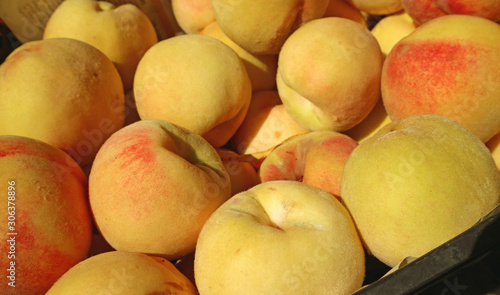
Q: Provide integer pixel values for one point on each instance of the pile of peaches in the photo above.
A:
(269, 147)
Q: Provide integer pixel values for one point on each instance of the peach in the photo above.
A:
(342, 8)
(448, 67)
(329, 74)
(377, 119)
(209, 97)
(261, 69)
(377, 6)
(153, 185)
(61, 91)
(47, 222)
(416, 184)
(494, 146)
(425, 10)
(193, 15)
(391, 29)
(126, 273)
(262, 26)
(316, 158)
(123, 33)
(279, 237)
(266, 125)
(240, 168)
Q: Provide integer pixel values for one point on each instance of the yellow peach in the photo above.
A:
(341, 8)
(210, 96)
(61, 91)
(193, 15)
(416, 184)
(153, 185)
(261, 69)
(266, 125)
(391, 29)
(316, 158)
(262, 26)
(123, 33)
(448, 67)
(329, 74)
(47, 222)
(126, 273)
(240, 168)
(279, 237)
(377, 6)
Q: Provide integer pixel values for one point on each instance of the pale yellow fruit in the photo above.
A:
(123, 33)
(196, 82)
(416, 184)
(64, 92)
(153, 185)
(193, 15)
(329, 74)
(126, 273)
(279, 237)
(377, 119)
(391, 29)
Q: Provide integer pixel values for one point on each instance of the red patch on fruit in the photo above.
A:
(138, 151)
(424, 76)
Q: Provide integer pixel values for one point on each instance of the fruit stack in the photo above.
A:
(266, 147)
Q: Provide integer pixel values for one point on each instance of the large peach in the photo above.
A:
(153, 185)
(261, 69)
(329, 74)
(193, 15)
(279, 237)
(210, 96)
(125, 273)
(47, 224)
(416, 184)
(123, 33)
(316, 158)
(266, 125)
(425, 10)
(61, 91)
(262, 26)
(447, 66)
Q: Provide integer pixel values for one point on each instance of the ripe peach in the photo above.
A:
(152, 187)
(126, 273)
(377, 6)
(282, 238)
(329, 74)
(193, 15)
(240, 169)
(261, 69)
(262, 26)
(447, 66)
(425, 10)
(123, 33)
(391, 29)
(316, 158)
(377, 119)
(342, 8)
(61, 91)
(47, 221)
(416, 184)
(494, 146)
(266, 125)
(210, 96)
